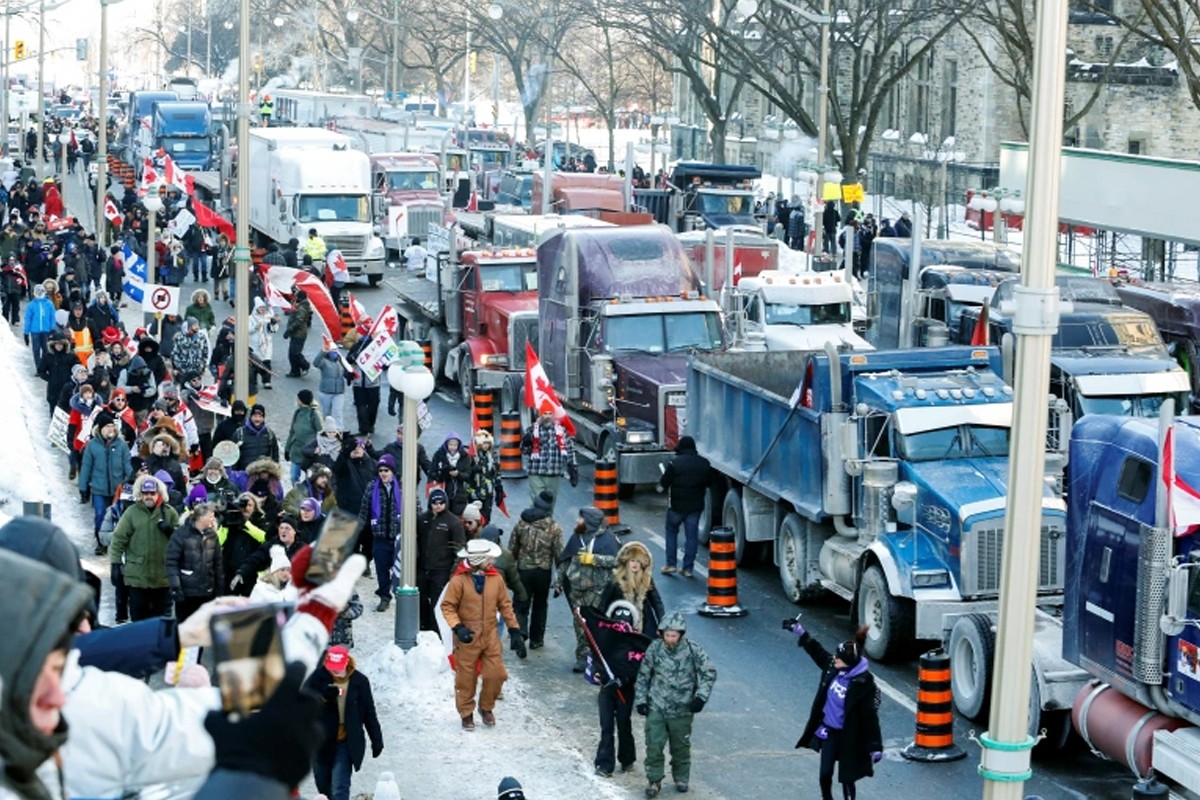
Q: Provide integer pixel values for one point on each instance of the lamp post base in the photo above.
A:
(407, 617)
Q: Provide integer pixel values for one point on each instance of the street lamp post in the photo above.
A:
(41, 95)
(408, 375)
(153, 204)
(241, 253)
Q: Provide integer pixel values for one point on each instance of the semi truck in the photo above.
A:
(181, 129)
(406, 198)
(878, 476)
(1131, 617)
(1175, 308)
(138, 117)
(620, 310)
(310, 178)
(787, 311)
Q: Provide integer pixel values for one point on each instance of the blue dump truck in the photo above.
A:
(878, 476)
(1131, 616)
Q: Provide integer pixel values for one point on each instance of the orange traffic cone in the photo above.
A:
(473, 203)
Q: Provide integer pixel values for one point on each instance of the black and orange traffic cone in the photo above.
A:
(722, 600)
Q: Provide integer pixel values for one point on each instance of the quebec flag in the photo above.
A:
(135, 274)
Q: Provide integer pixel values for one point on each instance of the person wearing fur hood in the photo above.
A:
(275, 583)
(159, 452)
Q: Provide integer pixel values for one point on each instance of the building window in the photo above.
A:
(949, 97)
(918, 111)
(891, 109)
(1136, 147)
(1104, 46)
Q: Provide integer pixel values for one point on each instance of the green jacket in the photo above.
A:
(139, 544)
(299, 322)
(671, 677)
(306, 424)
(203, 314)
(506, 565)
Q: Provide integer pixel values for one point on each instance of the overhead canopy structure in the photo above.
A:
(1142, 195)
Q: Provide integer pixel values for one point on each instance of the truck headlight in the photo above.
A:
(376, 249)
(638, 437)
(494, 360)
(929, 578)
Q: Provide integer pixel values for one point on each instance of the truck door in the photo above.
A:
(468, 289)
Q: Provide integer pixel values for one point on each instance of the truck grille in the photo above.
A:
(351, 246)
(419, 220)
(523, 328)
(983, 551)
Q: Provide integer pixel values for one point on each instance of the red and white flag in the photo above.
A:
(112, 213)
(388, 320)
(539, 394)
(335, 268)
(737, 273)
(207, 399)
(149, 174)
(174, 176)
(358, 314)
(321, 301)
(1183, 501)
(275, 298)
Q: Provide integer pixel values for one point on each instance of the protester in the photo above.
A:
(440, 535)
(585, 567)
(536, 543)
(687, 477)
(347, 710)
(550, 453)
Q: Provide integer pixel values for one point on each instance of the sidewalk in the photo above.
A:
(78, 201)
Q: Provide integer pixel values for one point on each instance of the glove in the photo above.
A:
(463, 633)
(696, 706)
(165, 526)
(587, 559)
(376, 751)
(798, 629)
(517, 639)
(876, 757)
(279, 741)
(235, 583)
(331, 692)
(116, 573)
(642, 709)
(557, 592)
(177, 597)
(573, 474)
(85, 496)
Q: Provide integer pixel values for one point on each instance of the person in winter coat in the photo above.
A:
(159, 452)
(673, 685)
(395, 449)
(275, 582)
(329, 447)
(473, 597)
(380, 511)
(687, 478)
(42, 609)
(84, 407)
(80, 333)
(331, 391)
(296, 333)
(308, 525)
(797, 228)
(829, 223)
(194, 568)
(140, 385)
(318, 486)
(452, 466)
(302, 433)
(56, 367)
(902, 228)
(348, 709)
(38, 323)
(114, 274)
(254, 439)
(150, 351)
(101, 314)
(138, 551)
(440, 535)
(843, 725)
(222, 268)
(264, 482)
(260, 560)
(484, 485)
(190, 354)
(536, 542)
(201, 309)
(190, 396)
(633, 582)
(585, 567)
(230, 425)
(216, 483)
(550, 452)
(262, 325)
(366, 392)
(353, 472)
(239, 536)
(104, 467)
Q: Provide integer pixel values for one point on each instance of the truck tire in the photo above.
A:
(439, 344)
(374, 280)
(466, 379)
(734, 517)
(890, 617)
(791, 550)
(972, 650)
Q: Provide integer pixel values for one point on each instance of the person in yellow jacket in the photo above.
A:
(314, 246)
(238, 536)
(266, 110)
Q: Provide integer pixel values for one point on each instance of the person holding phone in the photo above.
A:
(347, 710)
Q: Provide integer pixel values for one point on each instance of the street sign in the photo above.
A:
(81, 49)
(852, 193)
(160, 299)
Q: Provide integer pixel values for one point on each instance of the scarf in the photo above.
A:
(376, 505)
(551, 428)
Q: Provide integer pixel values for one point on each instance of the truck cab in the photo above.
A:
(713, 195)
(183, 130)
(753, 252)
(783, 311)
(406, 197)
(620, 312)
(1175, 308)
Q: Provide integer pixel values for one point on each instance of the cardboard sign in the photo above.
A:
(377, 355)
(853, 193)
(58, 430)
(158, 299)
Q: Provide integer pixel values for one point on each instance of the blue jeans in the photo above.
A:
(296, 472)
(691, 530)
(37, 341)
(333, 779)
(383, 551)
(100, 504)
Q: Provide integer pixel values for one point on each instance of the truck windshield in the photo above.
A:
(959, 441)
(489, 158)
(409, 181)
(198, 144)
(1146, 405)
(1121, 333)
(710, 203)
(333, 208)
(509, 277)
(662, 333)
(821, 314)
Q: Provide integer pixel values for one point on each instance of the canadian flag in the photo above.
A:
(539, 394)
(322, 303)
(275, 298)
(358, 314)
(174, 176)
(388, 320)
(112, 213)
(149, 173)
(337, 271)
(1183, 501)
(737, 273)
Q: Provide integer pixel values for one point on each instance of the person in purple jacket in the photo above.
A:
(843, 725)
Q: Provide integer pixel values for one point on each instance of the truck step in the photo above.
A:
(1177, 755)
(838, 589)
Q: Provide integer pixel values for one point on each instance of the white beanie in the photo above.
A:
(279, 559)
(473, 512)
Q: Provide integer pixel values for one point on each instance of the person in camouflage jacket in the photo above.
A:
(673, 685)
(343, 626)
(585, 567)
(190, 353)
(536, 542)
(484, 485)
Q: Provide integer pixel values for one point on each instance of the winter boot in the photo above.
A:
(468, 722)
(489, 719)
(653, 789)
(384, 604)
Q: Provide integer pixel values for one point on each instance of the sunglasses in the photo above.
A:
(385, 469)
(118, 400)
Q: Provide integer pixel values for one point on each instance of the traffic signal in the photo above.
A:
(18, 49)
(81, 49)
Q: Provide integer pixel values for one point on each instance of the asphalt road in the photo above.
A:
(743, 742)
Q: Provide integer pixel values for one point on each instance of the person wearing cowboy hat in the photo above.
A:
(473, 597)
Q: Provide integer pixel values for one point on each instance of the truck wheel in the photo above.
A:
(972, 649)
(439, 344)
(733, 517)
(791, 549)
(466, 379)
(374, 280)
(890, 618)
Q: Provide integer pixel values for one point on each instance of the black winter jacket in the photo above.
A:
(260, 559)
(353, 476)
(687, 477)
(860, 729)
(439, 538)
(194, 567)
(360, 715)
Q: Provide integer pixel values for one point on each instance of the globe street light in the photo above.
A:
(409, 376)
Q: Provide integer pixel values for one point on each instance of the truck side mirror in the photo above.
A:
(1179, 585)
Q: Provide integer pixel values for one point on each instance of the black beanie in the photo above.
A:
(849, 653)
(305, 396)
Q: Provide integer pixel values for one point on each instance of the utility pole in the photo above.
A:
(8, 53)
(41, 94)
(207, 40)
(102, 133)
(241, 253)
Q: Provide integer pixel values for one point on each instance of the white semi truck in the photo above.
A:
(306, 178)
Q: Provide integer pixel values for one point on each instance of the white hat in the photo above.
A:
(473, 512)
(479, 549)
(279, 559)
